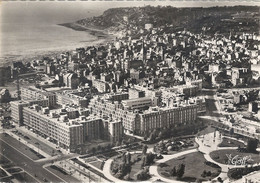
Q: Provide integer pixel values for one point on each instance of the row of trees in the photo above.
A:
(179, 171)
(159, 134)
(122, 165)
(237, 173)
(123, 169)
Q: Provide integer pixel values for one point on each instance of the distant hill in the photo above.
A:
(210, 20)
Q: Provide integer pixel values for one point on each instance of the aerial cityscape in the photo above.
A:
(131, 92)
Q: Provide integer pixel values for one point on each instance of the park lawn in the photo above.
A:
(227, 142)
(194, 167)
(61, 173)
(24, 177)
(220, 156)
(98, 164)
(14, 170)
(136, 167)
(2, 173)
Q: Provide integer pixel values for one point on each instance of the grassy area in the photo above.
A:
(62, 174)
(132, 169)
(227, 142)
(20, 147)
(194, 163)
(2, 173)
(98, 164)
(14, 170)
(34, 141)
(136, 162)
(238, 173)
(24, 177)
(137, 165)
(4, 160)
(221, 156)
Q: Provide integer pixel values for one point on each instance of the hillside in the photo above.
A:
(210, 20)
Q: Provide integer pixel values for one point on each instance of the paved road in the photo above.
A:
(27, 164)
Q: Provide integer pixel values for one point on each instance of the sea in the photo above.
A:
(28, 29)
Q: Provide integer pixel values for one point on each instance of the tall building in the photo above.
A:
(137, 103)
(17, 109)
(72, 97)
(71, 80)
(101, 86)
(68, 134)
(136, 119)
(168, 117)
(135, 93)
(32, 93)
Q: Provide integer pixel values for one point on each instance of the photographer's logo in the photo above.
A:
(238, 160)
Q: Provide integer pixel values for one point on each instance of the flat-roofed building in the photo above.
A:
(32, 93)
(92, 128)
(137, 103)
(118, 96)
(104, 108)
(167, 117)
(101, 86)
(114, 130)
(72, 97)
(68, 134)
(17, 108)
(135, 93)
(71, 80)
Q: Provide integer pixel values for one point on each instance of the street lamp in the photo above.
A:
(38, 146)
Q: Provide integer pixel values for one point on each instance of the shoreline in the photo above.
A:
(90, 30)
(101, 37)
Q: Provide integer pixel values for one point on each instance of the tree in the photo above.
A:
(129, 158)
(127, 177)
(98, 147)
(173, 171)
(94, 150)
(219, 179)
(152, 137)
(150, 158)
(142, 175)
(231, 131)
(124, 158)
(144, 149)
(252, 145)
(180, 170)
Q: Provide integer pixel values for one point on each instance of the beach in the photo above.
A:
(90, 37)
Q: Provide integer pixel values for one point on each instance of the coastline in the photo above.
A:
(101, 37)
(89, 29)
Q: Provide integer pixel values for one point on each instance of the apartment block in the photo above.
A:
(17, 109)
(137, 103)
(72, 97)
(167, 117)
(68, 134)
(32, 93)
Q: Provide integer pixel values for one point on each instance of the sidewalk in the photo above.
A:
(43, 140)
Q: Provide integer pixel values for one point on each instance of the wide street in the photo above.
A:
(19, 159)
